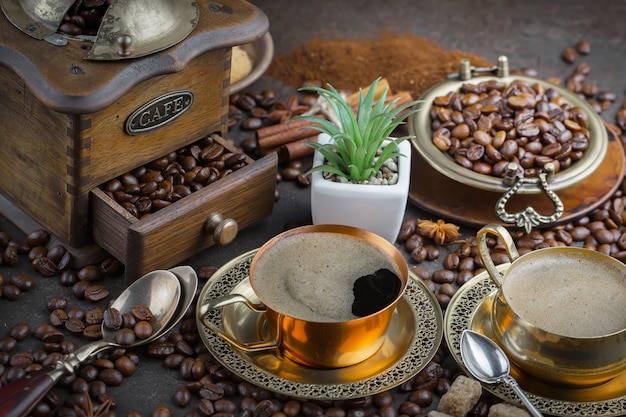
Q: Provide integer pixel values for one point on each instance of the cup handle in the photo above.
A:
(504, 235)
(225, 301)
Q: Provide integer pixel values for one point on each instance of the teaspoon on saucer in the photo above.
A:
(488, 363)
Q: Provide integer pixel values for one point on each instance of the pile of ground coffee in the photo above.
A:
(410, 63)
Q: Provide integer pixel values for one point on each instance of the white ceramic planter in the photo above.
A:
(377, 208)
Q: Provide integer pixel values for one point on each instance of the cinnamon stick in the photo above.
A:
(403, 96)
(284, 137)
(295, 150)
(353, 99)
(281, 127)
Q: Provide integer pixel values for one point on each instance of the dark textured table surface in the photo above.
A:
(531, 33)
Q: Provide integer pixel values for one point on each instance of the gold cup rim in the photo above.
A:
(393, 253)
(568, 249)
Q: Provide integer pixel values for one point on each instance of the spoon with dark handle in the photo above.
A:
(159, 290)
(488, 363)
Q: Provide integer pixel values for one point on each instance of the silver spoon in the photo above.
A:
(189, 282)
(488, 363)
(159, 290)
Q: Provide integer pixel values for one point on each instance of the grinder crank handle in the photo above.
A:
(19, 397)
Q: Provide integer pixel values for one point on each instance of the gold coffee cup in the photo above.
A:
(560, 312)
(303, 278)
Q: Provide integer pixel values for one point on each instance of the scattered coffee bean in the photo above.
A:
(20, 331)
(78, 289)
(569, 55)
(110, 266)
(37, 252)
(22, 281)
(206, 407)
(142, 312)
(161, 349)
(95, 293)
(58, 317)
(125, 366)
(57, 303)
(111, 377)
(112, 318)
(45, 266)
(583, 47)
(89, 273)
(94, 316)
(212, 392)
(74, 325)
(125, 337)
(129, 320)
(143, 329)
(93, 331)
(182, 397)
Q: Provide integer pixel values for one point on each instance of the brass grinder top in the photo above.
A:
(59, 77)
(128, 29)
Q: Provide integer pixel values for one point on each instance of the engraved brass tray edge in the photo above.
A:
(460, 316)
(426, 339)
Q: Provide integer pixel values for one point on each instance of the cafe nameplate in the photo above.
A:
(159, 112)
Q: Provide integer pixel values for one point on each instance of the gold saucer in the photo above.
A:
(470, 308)
(414, 335)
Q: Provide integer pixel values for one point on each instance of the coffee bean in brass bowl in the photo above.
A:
(509, 134)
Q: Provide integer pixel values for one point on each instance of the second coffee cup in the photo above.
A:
(559, 312)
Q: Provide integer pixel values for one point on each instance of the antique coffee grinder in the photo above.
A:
(77, 110)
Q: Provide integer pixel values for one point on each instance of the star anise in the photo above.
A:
(291, 109)
(441, 232)
(88, 408)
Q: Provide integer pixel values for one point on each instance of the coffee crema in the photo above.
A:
(311, 276)
(568, 295)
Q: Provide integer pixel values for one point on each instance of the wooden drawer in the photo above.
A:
(182, 229)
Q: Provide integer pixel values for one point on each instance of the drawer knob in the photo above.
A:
(223, 230)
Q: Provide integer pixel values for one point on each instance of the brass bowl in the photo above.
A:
(261, 52)
(419, 125)
(547, 181)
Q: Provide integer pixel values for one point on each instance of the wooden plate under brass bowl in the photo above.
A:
(467, 205)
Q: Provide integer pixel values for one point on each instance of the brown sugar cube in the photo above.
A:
(507, 410)
(461, 397)
(438, 414)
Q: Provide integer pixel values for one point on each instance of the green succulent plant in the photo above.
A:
(356, 140)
